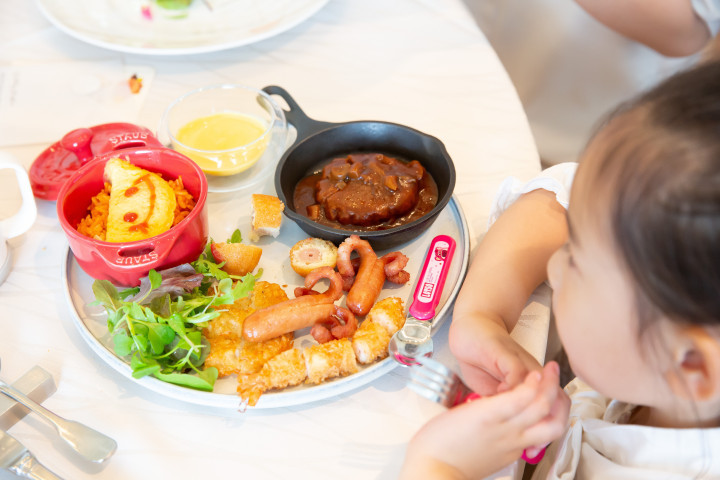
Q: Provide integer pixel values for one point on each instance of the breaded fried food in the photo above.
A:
(142, 204)
(313, 364)
(328, 360)
(231, 321)
(388, 312)
(288, 366)
(311, 253)
(370, 342)
(229, 352)
(284, 370)
(371, 339)
(318, 363)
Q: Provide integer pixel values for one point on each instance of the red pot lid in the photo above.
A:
(54, 166)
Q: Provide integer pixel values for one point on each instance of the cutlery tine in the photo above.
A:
(434, 391)
(434, 381)
(435, 366)
(430, 377)
(426, 392)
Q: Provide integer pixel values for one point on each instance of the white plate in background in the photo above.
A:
(121, 25)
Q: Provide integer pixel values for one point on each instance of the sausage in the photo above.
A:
(333, 328)
(364, 286)
(300, 312)
(286, 317)
(394, 263)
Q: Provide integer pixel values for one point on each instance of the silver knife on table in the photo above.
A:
(17, 459)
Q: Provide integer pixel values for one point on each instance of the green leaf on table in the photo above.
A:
(197, 382)
(128, 292)
(155, 279)
(207, 252)
(159, 335)
(177, 323)
(137, 312)
(160, 306)
(225, 292)
(195, 337)
(203, 317)
(215, 269)
(123, 343)
(150, 316)
(174, 4)
(236, 237)
(245, 286)
(184, 344)
(140, 329)
(179, 305)
(143, 367)
(106, 294)
(114, 317)
(210, 375)
(190, 349)
(141, 339)
(210, 268)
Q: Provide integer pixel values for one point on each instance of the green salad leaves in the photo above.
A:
(162, 332)
(174, 4)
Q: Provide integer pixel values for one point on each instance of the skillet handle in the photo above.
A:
(304, 125)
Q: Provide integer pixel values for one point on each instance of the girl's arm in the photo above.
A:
(670, 27)
(509, 264)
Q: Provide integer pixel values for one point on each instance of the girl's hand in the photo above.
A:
(490, 360)
(479, 438)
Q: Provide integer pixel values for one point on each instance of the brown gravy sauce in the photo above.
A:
(308, 194)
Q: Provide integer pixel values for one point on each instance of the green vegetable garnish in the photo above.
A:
(164, 337)
(236, 237)
(207, 265)
(174, 4)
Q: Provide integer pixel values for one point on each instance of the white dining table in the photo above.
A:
(421, 63)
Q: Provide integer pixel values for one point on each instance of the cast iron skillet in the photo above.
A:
(318, 142)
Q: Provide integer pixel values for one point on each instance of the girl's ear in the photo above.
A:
(696, 372)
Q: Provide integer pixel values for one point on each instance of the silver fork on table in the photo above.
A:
(434, 381)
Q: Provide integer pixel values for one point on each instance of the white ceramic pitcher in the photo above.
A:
(22, 220)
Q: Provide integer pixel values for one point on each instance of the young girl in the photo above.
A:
(636, 300)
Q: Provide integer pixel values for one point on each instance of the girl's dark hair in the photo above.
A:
(661, 166)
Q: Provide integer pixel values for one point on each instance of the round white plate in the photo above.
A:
(121, 25)
(91, 321)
